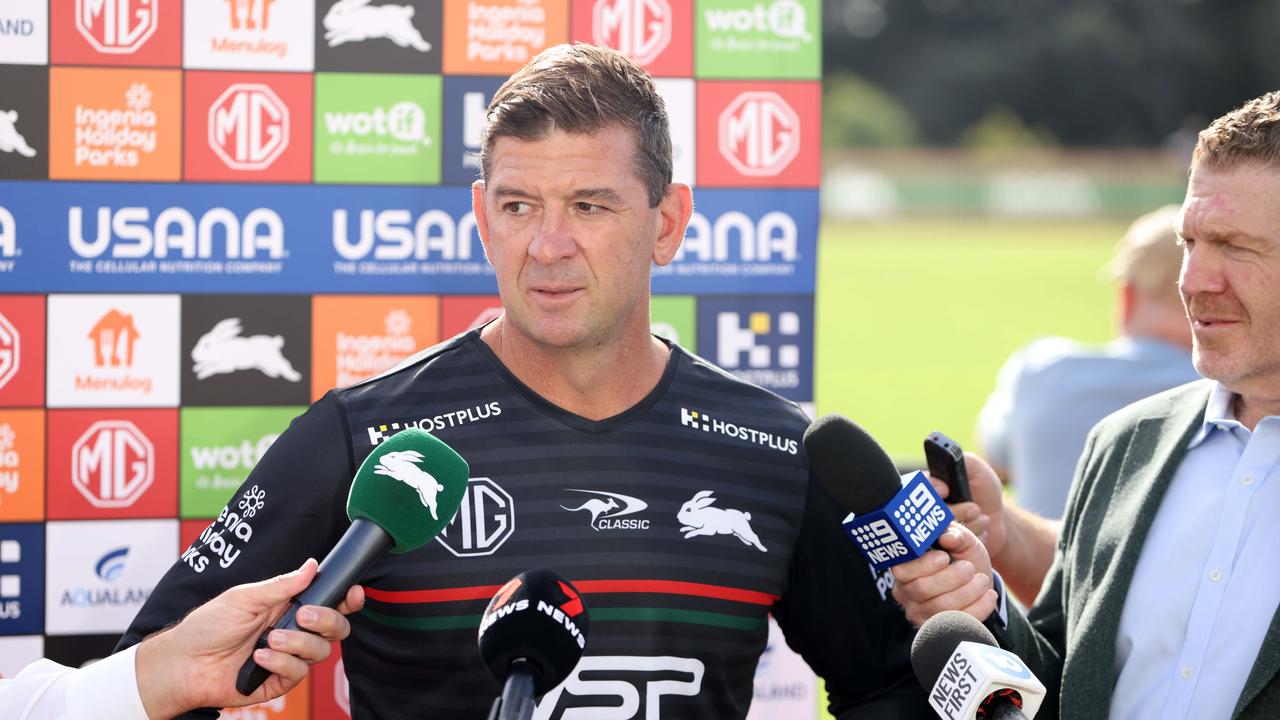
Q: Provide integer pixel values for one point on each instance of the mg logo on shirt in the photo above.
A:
(759, 134)
(484, 522)
(639, 29)
(248, 126)
(116, 26)
(112, 464)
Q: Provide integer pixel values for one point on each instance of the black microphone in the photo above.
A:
(405, 492)
(967, 676)
(858, 473)
(531, 638)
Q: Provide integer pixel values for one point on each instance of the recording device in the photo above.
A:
(967, 676)
(945, 459)
(532, 635)
(405, 492)
(893, 519)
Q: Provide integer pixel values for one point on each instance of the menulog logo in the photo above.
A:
(639, 29)
(248, 126)
(759, 134)
(112, 464)
(116, 26)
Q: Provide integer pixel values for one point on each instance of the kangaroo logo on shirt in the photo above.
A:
(608, 508)
(402, 465)
(699, 518)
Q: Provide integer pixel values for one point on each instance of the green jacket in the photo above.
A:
(1069, 636)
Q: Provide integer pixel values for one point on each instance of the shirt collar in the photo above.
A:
(1219, 414)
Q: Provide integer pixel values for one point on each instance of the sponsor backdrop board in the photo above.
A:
(214, 211)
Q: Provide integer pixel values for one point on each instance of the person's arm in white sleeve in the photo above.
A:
(193, 664)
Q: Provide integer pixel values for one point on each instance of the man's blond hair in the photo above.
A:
(1250, 133)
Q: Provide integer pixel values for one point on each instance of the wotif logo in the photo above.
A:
(10, 351)
(116, 27)
(132, 232)
(759, 133)
(639, 29)
(781, 18)
(405, 123)
(398, 235)
(232, 457)
(607, 510)
(248, 126)
(773, 237)
(112, 464)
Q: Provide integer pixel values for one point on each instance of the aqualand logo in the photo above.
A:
(639, 29)
(117, 27)
(701, 421)
(607, 510)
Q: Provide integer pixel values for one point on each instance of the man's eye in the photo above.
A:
(516, 207)
(588, 208)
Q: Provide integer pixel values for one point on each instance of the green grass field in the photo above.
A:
(915, 317)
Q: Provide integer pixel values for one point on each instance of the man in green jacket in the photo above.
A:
(1161, 601)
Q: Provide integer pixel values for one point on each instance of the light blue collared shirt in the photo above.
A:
(1207, 585)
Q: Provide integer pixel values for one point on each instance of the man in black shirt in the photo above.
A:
(676, 497)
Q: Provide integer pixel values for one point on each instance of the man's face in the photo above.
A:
(566, 223)
(1230, 282)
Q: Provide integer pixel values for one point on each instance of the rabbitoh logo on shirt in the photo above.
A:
(699, 518)
(403, 466)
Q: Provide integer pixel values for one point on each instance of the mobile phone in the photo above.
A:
(945, 459)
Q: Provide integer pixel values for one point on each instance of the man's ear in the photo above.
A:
(480, 212)
(675, 209)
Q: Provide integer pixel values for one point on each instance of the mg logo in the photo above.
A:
(759, 134)
(485, 520)
(9, 355)
(639, 29)
(112, 464)
(250, 14)
(117, 27)
(248, 126)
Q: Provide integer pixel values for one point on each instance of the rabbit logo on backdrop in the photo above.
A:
(224, 350)
(698, 517)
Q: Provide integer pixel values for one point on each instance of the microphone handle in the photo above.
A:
(516, 702)
(1005, 710)
(360, 547)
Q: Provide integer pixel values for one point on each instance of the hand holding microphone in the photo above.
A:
(405, 492)
(895, 525)
(967, 676)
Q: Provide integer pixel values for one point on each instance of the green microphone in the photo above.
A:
(404, 494)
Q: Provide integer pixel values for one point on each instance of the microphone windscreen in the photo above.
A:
(850, 464)
(411, 486)
(538, 617)
(937, 640)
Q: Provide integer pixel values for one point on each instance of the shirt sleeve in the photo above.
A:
(45, 690)
(997, 413)
(841, 618)
(291, 507)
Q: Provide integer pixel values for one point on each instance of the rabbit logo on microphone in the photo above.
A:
(402, 465)
(699, 518)
(224, 350)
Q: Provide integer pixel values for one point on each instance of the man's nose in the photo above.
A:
(554, 239)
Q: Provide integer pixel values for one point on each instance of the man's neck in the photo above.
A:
(1250, 409)
(595, 383)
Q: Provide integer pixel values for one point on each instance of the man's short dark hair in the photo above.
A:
(583, 89)
(1250, 133)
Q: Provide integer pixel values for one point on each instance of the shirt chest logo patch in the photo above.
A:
(607, 510)
(698, 517)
